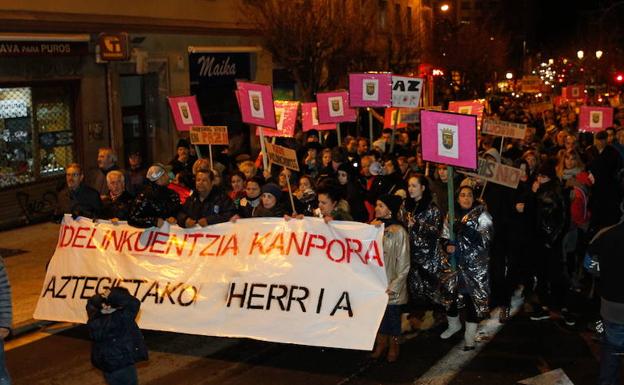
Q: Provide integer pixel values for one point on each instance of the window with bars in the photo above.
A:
(36, 128)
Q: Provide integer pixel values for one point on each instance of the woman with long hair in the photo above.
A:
(423, 220)
(469, 276)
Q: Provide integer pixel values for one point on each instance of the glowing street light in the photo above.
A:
(444, 7)
(508, 76)
(580, 54)
(598, 54)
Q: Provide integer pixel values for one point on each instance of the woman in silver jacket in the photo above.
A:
(423, 219)
(473, 235)
(397, 263)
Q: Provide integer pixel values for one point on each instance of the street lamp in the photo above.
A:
(580, 54)
(508, 76)
(444, 7)
(598, 54)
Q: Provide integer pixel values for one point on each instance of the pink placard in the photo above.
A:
(595, 119)
(256, 104)
(370, 90)
(185, 112)
(469, 107)
(333, 107)
(389, 117)
(309, 118)
(573, 92)
(449, 138)
(285, 116)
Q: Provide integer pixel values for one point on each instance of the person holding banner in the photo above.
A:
(473, 230)
(396, 254)
(251, 200)
(116, 205)
(157, 203)
(423, 220)
(77, 198)
(208, 205)
(270, 203)
(331, 206)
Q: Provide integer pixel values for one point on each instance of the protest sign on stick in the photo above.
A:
(594, 119)
(370, 89)
(209, 135)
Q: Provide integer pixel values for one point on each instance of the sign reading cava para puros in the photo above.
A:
(449, 138)
(406, 91)
(300, 281)
(502, 128)
(595, 119)
(209, 135)
(282, 156)
(497, 173)
(185, 112)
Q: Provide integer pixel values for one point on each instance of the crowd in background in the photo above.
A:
(527, 242)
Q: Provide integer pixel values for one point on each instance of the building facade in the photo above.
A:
(59, 102)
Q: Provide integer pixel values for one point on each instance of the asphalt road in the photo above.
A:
(521, 349)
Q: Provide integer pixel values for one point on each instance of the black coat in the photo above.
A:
(153, 203)
(117, 340)
(84, 202)
(119, 208)
(216, 208)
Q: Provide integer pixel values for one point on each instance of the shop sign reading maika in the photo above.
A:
(42, 48)
(219, 68)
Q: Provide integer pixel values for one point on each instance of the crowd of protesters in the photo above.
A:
(527, 242)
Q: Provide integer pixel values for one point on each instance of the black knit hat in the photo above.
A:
(393, 202)
(273, 189)
(548, 169)
(183, 143)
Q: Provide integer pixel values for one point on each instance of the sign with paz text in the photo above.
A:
(209, 135)
(406, 91)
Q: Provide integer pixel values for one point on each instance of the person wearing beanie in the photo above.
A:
(352, 192)
(270, 203)
(397, 262)
(183, 159)
(156, 203)
(473, 235)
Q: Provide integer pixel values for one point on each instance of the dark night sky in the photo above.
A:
(562, 23)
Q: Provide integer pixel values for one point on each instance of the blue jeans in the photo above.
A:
(125, 376)
(611, 353)
(4, 373)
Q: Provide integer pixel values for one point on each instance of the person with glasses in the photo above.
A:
(77, 198)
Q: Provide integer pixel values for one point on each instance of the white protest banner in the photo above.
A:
(298, 281)
(406, 91)
(209, 135)
(282, 156)
(502, 128)
(497, 173)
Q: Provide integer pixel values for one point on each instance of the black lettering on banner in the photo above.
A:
(253, 295)
(97, 287)
(347, 306)
(167, 292)
(241, 296)
(279, 298)
(320, 301)
(50, 287)
(152, 292)
(292, 298)
(67, 279)
(413, 85)
(139, 282)
(86, 287)
(77, 279)
(193, 298)
(399, 85)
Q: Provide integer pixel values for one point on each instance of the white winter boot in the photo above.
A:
(454, 325)
(470, 336)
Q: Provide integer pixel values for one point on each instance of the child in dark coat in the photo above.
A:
(117, 341)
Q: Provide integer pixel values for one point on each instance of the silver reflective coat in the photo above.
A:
(423, 281)
(473, 236)
(397, 261)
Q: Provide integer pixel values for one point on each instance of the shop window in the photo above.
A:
(37, 133)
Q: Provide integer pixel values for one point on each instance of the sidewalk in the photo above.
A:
(26, 251)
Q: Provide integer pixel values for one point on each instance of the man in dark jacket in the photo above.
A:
(96, 178)
(156, 204)
(77, 198)
(116, 205)
(117, 341)
(207, 205)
